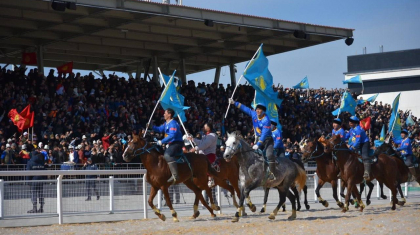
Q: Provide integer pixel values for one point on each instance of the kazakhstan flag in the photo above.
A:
(304, 84)
(260, 78)
(348, 104)
(170, 98)
(272, 111)
(355, 79)
(409, 121)
(394, 113)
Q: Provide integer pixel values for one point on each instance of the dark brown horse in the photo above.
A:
(326, 169)
(195, 178)
(352, 170)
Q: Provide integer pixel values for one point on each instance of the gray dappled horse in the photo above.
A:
(253, 172)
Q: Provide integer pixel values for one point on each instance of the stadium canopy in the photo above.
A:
(129, 35)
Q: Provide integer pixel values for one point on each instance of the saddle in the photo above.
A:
(261, 154)
(216, 164)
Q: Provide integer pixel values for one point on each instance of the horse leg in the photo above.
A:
(225, 185)
(358, 198)
(371, 186)
(282, 200)
(383, 196)
(348, 194)
(153, 192)
(335, 196)
(169, 203)
(296, 194)
(403, 201)
(305, 191)
(292, 199)
(241, 205)
(198, 194)
(391, 185)
(266, 191)
(322, 201)
(210, 195)
(235, 186)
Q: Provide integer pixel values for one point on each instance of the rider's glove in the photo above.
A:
(159, 143)
(255, 147)
(231, 101)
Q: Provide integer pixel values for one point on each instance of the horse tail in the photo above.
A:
(301, 177)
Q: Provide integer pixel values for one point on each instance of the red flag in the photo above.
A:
(65, 68)
(365, 123)
(31, 124)
(26, 111)
(29, 58)
(18, 120)
(29, 121)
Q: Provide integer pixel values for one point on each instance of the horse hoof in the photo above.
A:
(393, 207)
(345, 210)
(162, 217)
(401, 203)
(356, 206)
(368, 202)
(298, 208)
(216, 208)
(308, 207)
(341, 205)
(213, 215)
(235, 219)
(244, 214)
(196, 214)
(272, 216)
(384, 197)
(262, 210)
(284, 210)
(325, 203)
(292, 217)
(253, 208)
(361, 208)
(351, 201)
(175, 219)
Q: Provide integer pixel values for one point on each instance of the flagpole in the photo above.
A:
(237, 83)
(180, 120)
(363, 87)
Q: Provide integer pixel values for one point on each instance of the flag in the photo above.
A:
(361, 102)
(59, 89)
(26, 112)
(365, 123)
(372, 98)
(355, 79)
(29, 121)
(348, 104)
(260, 78)
(304, 84)
(18, 120)
(382, 137)
(396, 131)
(394, 113)
(166, 78)
(170, 98)
(272, 111)
(65, 68)
(409, 121)
(29, 58)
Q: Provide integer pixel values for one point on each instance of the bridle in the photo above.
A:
(313, 152)
(144, 149)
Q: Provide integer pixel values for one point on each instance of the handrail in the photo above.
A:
(73, 172)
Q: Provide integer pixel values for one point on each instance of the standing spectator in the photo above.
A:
(91, 183)
(36, 163)
(24, 155)
(7, 156)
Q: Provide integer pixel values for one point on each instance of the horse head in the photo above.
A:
(232, 146)
(385, 148)
(136, 143)
(331, 143)
(310, 149)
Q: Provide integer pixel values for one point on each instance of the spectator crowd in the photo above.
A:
(80, 117)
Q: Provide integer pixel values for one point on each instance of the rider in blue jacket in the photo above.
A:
(337, 130)
(262, 129)
(278, 140)
(407, 152)
(359, 141)
(173, 138)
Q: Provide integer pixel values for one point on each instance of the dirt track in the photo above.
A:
(377, 219)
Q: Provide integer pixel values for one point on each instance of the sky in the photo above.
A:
(393, 24)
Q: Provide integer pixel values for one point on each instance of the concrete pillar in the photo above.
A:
(217, 75)
(139, 70)
(40, 55)
(183, 76)
(155, 70)
(232, 75)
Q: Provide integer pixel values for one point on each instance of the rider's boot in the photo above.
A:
(413, 172)
(173, 167)
(366, 174)
(272, 166)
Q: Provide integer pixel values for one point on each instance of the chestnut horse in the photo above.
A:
(352, 170)
(194, 177)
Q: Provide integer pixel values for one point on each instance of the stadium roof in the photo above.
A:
(118, 35)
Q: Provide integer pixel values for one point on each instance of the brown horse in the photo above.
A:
(352, 170)
(195, 178)
(326, 169)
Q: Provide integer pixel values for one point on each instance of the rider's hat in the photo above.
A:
(354, 119)
(404, 131)
(273, 123)
(337, 120)
(261, 106)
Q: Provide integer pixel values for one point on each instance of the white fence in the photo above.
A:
(124, 190)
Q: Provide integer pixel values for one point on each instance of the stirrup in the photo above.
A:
(211, 183)
(271, 176)
(172, 180)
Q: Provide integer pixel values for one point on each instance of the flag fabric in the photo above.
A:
(18, 120)
(394, 112)
(59, 89)
(260, 78)
(382, 137)
(348, 104)
(170, 98)
(355, 79)
(361, 102)
(365, 123)
(304, 84)
(26, 112)
(65, 68)
(29, 121)
(396, 131)
(372, 98)
(29, 58)
(272, 111)
(409, 121)
(166, 78)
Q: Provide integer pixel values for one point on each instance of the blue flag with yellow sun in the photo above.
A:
(170, 98)
(304, 84)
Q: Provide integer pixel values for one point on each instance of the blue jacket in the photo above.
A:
(344, 136)
(91, 167)
(35, 163)
(357, 137)
(405, 146)
(172, 131)
(262, 127)
(278, 138)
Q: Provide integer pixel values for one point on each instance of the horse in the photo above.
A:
(253, 172)
(294, 190)
(192, 173)
(352, 170)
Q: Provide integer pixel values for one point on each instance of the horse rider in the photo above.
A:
(337, 130)
(262, 129)
(407, 152)
(359, 141)
(278, 140)
(207, 145)
(173, 140)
